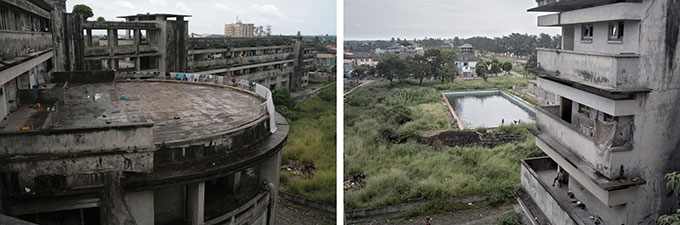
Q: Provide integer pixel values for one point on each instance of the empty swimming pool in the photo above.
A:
(488, 108)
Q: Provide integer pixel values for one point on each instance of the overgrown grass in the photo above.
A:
(383, 125)
(312, 139)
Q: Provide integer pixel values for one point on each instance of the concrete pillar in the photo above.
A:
(195, 203)
(142, 206)
(138, 65)
(234, 182)
(112, 37)
(269, 172)
(88, 38)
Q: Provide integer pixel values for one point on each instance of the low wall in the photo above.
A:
(76, 140)
(306, 202)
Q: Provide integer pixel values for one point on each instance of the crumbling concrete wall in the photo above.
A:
(69, 41)
(177, 33)
(23, 44)
(74, 141)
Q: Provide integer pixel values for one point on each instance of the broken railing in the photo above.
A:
(233, 82)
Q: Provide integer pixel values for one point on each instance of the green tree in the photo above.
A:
(532, 62)
(101, 19)
(359, 72)
(84, 10)
(495, 68)
(507, 67)
(673, 183)
(481, 70)
(391, 67)
(447, 69)
(418, 66)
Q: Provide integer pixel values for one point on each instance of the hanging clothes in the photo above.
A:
(220, 80)
(181, 76)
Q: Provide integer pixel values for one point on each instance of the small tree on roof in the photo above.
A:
(84, 10)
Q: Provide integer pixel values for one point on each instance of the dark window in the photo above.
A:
(615, 30)
(587, 30)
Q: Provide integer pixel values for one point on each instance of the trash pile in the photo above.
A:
(299, 170)
(354, 182)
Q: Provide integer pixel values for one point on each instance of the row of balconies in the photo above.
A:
(218, 63)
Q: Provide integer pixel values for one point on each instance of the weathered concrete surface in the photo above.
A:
(69, 41)
(21, 44)
(608, 70)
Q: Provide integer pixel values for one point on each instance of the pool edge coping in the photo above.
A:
(512, 98)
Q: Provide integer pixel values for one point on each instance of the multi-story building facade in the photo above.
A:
(613, 136)
(239, 30)
(83, 143)
(161, 43)
(27, 51)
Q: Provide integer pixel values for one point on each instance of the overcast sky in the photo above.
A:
(384, 19)
(310, 17)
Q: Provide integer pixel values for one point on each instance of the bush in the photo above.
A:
(509, 219)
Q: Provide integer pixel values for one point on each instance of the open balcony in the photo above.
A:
(608, 72)
(555, 206)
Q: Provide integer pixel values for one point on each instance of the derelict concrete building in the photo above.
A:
(161, 43)
(614, 133)
(81, 143)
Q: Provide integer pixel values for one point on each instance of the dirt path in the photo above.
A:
(290, 213)
(482, 215)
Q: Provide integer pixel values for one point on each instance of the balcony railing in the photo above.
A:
(582, 145)
(605, 71)
(537, 175)
(18, 43)
(246, 212)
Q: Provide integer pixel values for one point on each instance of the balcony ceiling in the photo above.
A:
(567, 5)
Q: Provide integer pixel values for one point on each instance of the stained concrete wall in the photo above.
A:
(141, 206)
(169, 204)
(73, 141)
(69, 41)
(600, 42)
(552, 210)
(17, 43)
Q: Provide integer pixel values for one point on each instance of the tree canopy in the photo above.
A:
(101, 18)
(84, 10)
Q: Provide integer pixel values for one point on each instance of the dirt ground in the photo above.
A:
(289, 213)
(483, 215)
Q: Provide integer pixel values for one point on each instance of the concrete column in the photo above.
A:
(138, 65)
(234, 182)
(269, 172)
(142, 206)
(195, 203)
(88, 38)
(112, 39)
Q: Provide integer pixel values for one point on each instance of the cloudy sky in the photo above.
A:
(384, 19)
(310, 17)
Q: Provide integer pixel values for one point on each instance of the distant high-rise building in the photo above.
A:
(239, 29)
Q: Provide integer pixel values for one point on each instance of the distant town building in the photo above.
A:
(467, 49)
(239, 29)
(363, 59)
(467, 61)
(613, 135)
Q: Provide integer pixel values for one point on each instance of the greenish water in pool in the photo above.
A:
(487, 110)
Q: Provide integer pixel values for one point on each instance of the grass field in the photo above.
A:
(312, 139)
(383, 125)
